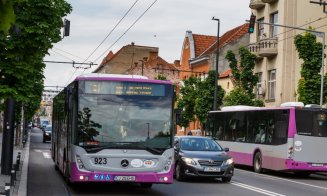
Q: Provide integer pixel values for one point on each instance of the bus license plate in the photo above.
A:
(212, 169)
(124, 178)
(317, 165)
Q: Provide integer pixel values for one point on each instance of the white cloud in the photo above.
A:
(163, 26)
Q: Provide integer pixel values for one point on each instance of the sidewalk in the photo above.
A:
(20, 185)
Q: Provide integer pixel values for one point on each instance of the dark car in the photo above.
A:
(197, 156)
(47, 131)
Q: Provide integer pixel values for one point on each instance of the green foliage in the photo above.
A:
(243, 78)
(186, 101)
(204, 100)
(196, 99)
(7, 15)
(238, 96)
(161, 77)
(37, 28)
(309, 85)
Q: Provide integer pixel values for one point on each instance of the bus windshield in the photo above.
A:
(124, 121)
(311, 122)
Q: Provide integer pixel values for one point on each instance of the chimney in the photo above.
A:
(177, 63)
(153, 55)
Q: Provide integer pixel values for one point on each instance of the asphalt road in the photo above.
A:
(43, 179)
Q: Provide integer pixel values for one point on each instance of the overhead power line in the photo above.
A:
(112, 30)
(126, 31)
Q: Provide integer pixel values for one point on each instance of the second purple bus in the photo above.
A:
(282, 139)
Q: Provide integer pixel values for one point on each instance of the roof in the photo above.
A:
(226, 73)
(202, 42)
(228, 37)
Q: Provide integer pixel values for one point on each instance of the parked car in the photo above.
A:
(47, 132)
(197, 156)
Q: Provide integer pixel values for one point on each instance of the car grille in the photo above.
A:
(210, 163)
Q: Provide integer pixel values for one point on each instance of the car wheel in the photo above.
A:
(226, 179)
(257, 162)
(179, 172)
(146, 185)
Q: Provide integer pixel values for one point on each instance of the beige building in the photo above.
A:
(278, 64)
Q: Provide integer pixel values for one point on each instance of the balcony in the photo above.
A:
(254, 48)
(269, 1)
(256, 4)
(268, 47)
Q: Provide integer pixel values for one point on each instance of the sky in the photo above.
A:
(116, 23)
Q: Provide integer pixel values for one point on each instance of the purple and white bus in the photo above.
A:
(282, 139)
(111, 128)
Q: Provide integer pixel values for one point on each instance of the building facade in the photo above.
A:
(278, 65)
(199, 57)
(139, 60)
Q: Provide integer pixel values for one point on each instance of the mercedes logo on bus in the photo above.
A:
(124, 163)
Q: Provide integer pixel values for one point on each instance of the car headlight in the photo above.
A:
(47, 134)
(188, 161)
(228, 161)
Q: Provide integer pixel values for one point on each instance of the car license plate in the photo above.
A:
(124, 178)
(317, 165)
(212, 169)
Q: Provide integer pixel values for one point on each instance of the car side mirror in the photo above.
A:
(226, 149)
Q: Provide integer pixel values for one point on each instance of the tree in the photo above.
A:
(309, 51)
(243, 78)
(7, 15)
(204, 100)
(37, 28)
(186, 101)
(196, 99)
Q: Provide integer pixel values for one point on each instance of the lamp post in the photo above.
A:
(216, 70)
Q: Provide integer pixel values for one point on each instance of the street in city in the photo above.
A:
(43, 179)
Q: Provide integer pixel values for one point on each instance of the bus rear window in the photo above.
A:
(311, 122)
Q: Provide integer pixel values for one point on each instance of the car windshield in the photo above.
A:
(48, 128)
(199, 144)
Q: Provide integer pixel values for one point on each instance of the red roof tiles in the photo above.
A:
(202, 42)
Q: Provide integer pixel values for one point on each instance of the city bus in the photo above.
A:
(114, 128)
(290, 138)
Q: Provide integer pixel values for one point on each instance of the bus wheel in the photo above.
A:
(257, 162)
(178, 172)
(146, 185)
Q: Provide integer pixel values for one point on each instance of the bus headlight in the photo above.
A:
(188, 161)
(228, 161)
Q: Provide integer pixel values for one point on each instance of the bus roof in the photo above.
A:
(119, 77)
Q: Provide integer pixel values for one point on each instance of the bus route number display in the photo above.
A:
(133, 90)
(124, 88)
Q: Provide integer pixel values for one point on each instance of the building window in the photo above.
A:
(272, 84)
(227, 85)
(261, 33)
(260, 87)
(274, 20)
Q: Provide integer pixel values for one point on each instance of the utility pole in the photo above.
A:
(217, 60)
(8, 137)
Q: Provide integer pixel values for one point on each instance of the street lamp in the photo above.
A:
(216, 70)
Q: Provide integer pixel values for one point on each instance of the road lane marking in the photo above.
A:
(46, 154)
(278, 178)
(256, 189)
